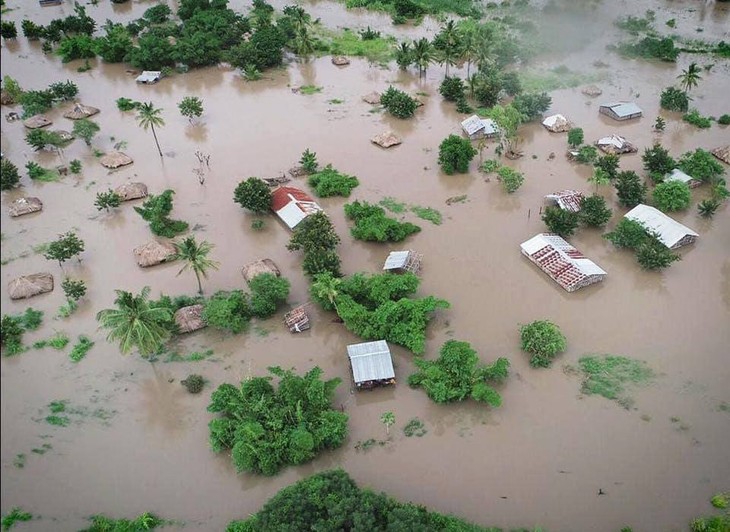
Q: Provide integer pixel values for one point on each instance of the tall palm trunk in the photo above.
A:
(200, 286)
(154, 134)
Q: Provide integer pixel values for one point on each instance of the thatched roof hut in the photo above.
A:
(115, 159)
(557, 123)
(252, 269)
(386, 139)
(5, 98)
(153, 253)
(722, 153)
(340, 60)
(30, 285)
(25, 205)
(591, 90)
(373, 98)
(34, 122)
(80, 111)
(189, 319)
(131, 191)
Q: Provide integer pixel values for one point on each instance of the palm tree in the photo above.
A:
(448, 44)
(404, 55)
(469, 47)
(327, 286)
(690, 77)
(196, 258)
(422, 55)
(148, 116)
(135, 324)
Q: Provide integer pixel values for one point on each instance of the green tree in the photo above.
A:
(559, 221)
(452, 89)
(253, 194)
(690, 77)
(653, 255)
(85, 129)
(372, 224)
(156, 209)
(543, 340)
(76, 47)
(398, 103)
(672, 196)
(627, 234)
(31, 30)
(455, 154)
(673, 99)
(107, 200)
(157, 14)
(316, 237)
(658, 162)
(532, 106)
(587, 154)
(447, 44)
(115, 45)
(195, 256)
(309, 161)
(73, 290)
(191, 107)
(609, 164)
(329, 182)
(702, 165)
(510, 178)
(8, 29)
(594, 212)
(228, 311)
(707, 208)
(9, 176)
(575, 137)
(325, 289)
(135, 324)
(67, 246)
(268, 292)
(38, 139)
(149, 116)
(508, 119)
(422, 55)
(630, 189)
(404, 55)
(387, 419)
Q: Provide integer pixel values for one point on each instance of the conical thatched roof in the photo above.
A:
(386, 139)
(557, 123)
(722, 153)
(340, 60)
(115, 159)
(30, 285)
(26, 205)
(189, 319)
(80, 111)
(131, 191)
(258, 267)
(591, 90)
(373, 98)
(153, 253)
(34, 122)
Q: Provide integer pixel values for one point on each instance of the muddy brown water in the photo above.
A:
(539, 459)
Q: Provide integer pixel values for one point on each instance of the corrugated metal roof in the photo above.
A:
(291, 214)
(396, 260)
(623, 108)
(283, 195)
(370, 361)
(678, 175)
(472, 125)
(568, 200)
(490, 126)
(292, 205)
(149, 76)
(616, 141)
(669, 231)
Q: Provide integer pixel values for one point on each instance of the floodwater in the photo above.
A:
(538, 460)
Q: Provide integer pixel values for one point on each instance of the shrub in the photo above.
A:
(309, 161)
(696, 119)
(63, 90)
(193, 383)
(31, 30)
(653, 255)
(75, 166)
(67, 246)
(85, 129)
(126, 104)
(8, 29)
(559, 221)
(708, 207)
(609, 164)
(701, 165)
(76, 47)
(9, 176)
(532, 106)
(191, 107)
(373, 225)
(543, 340)
(462, 106)
(156, 209)
(672, 196)
(511, 179)
(452, 89)
(630, 189)
(268, 292)
(594, 212)
(398, 103)
(658, 162)
(575, 137)
(253, 194)
(73, 290)
(627, 234)
(107, 200)
(329, 182)
(587, 154)
(724, 120)
(228, 311)
(455, 154)
(673, 99)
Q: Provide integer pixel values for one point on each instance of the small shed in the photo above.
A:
(37, 121)
(297, 320)
(371, 364)
(722, 153)
(25, 205)
(562, 262)
(292, 205)
(670, 232)
(557, 123)
(257, 267)
(131, 191)
(80, 111)
(30, 285)
(373, 98)
(620, 110)
(386, 139)
(153, 253)
(115, 159)
(568, 200)
(615, 144)
(189, 319)
(403, 261)
(678, 175)
(148, 77)
(477, 128)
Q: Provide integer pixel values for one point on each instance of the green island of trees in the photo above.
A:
(650, 252)
(373, 225)
(329, 182)
(269, 428)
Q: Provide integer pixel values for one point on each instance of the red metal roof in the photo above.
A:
(282, 196)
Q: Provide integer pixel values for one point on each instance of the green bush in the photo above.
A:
(452, 89)
(127, 104)
(268, 292)
(673, 99)
(9, 176)
(398, 103)
(253, 194)
(658, 162)
(532, 106)
(575, 137)
(630, 189)
(594, 212)
(373, 225)
(651, 48)
(702, 165)
(627, 234)
(543, 340)
(228, 311)
(156, 209)
(309, 161)
(455, 154)
(316, 237)
(724, 120)
(510, 178)
(653, 255)
(672, 196)
(559, 221)
(696, 119)
(329, 182)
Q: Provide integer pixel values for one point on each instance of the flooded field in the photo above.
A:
(139, 441)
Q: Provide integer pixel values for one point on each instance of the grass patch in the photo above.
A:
(19, 460)
(44, 175)
(58, 341)
(560, 77)
(309, 89)
(696, 119)
(59, 421)
(43, 449)
(380, 49)
(335, 101)
(80, 348)
(427, 213)
(14, 516)
(393, 205)
(610, 376)
(146, 521)
(195, 356)
(414, 427)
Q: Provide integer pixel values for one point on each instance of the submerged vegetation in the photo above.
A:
(611, 376)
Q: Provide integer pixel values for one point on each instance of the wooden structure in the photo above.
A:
(371, 364)
(403, 261)
(620, 110)
(26, 205)
(297, 320)
(562, 262)
(670, 232)
(30, 285)
(257, 267)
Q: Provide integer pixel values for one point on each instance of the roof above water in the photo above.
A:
(396, 260)
(292, 205)
(669, 231)
(149, 76)
(623, 108)
(678, 175)
(474, 124)
(370, 361)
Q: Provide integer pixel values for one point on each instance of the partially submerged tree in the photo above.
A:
(253, 194)
(560, 221)
(107, 200)
(85, 129)
(67, 246)
(149, 116)
(309, 161)
(373, 225)
(9, 176)
(398, 103)
(630, 189)
(658, 162)
(690, 77)
(195, 256)
(268, 293)
(191, 107)
(316, 237)
(156, 210)
(455, 154)
(594, 212)
(329, 182)
(543, 340)
(387, 419)
(672, 196)
(575, 137)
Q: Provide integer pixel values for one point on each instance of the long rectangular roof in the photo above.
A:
(623, 108)
(669, 231)
(370, 361)
(396, 259)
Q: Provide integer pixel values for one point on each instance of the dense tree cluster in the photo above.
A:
(651, 253)
(398, 103)
(373, 225)
(316, 237)
(268, 428)
(329, 182)
(156, 210)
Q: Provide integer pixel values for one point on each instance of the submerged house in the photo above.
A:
(557, 123)
(568, 200)
(670, 232)
(562, 262)
(371, 364)
(149, 77)
(615, 144)
(477, 128)
(403, 261)
(678, 175)
(620, 110)
(292, 205)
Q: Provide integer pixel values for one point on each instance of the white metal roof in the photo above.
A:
(370, 361)
(396, 259)
(474, 124)
(291, 214)
(567, 252)
(623, 108)
(669, 231)
(678, 175)
(149, 76)
(612, 140)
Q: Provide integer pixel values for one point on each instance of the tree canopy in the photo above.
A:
(372, 224)
(253, 194)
